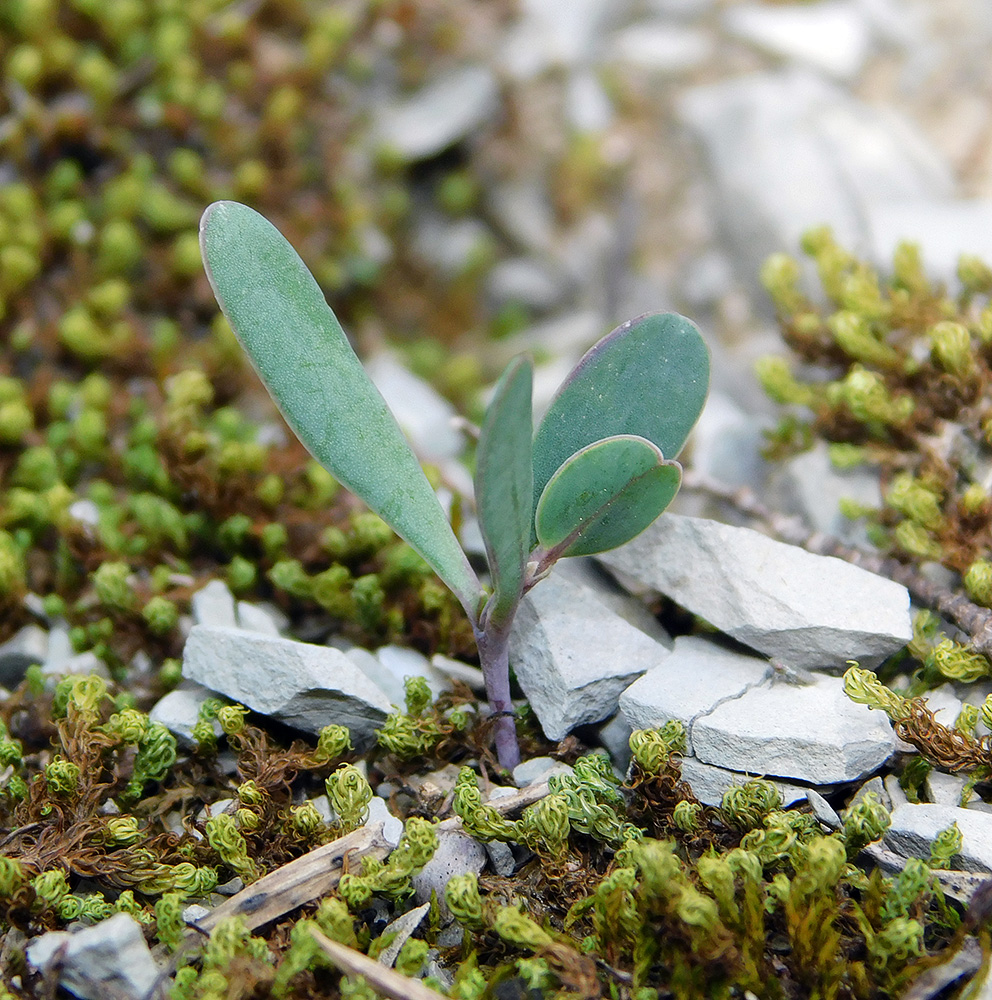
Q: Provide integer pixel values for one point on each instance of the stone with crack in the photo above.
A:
(809, 732)
(803, 609)
(299, 684)
(692, 680)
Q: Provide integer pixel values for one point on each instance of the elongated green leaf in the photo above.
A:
(648, 377)
(504, 485)
(301, 353)
(604, 495)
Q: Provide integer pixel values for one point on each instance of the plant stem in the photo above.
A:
(494, 655)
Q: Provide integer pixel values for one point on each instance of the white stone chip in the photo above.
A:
(573, 655)
(810, 732)
(803, 609)
(179, 711)
(831, 36)
(110, 958)
(302, 685)
(213, 604)
(915, 827)
(695, 677)
(446, 110)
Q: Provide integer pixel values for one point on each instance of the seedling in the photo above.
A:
(598, 471)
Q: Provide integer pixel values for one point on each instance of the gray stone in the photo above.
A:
(213, 604)
(110, 958)
(823, 810)
(525, 281)
(804, 609)
(573, 655)
(709, 784)
(448, 109)
(873, 786)
(179, 711)
(403, 927)
(944, 789)
(661, 47)
(944, 703)
(787, 151)
(424, 416)
(456, 854)
(943, 229)
(596, 582)
(689, 683)
(301, 685)
(257, 618)
(615, 739)
(727, 443)
(588, 107)
(451, 246)
(501, 858)
(553, 33)
(26, 647)
(403, 662)
(84, 663)
(831, 36)
(915, 827)
(895, 791)
(539, 769)
(811, 732)
(522, 209)
(60, 649)
(814, 487)
(458, 671)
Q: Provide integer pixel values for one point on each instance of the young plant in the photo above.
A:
(598, 471)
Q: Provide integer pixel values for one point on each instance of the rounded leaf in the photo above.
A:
(604, 495)
(648, 377)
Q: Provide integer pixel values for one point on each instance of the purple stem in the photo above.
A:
(494, 655)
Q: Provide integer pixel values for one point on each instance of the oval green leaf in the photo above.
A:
(604, 495)
(504, 485)
(648, 377)
(299, 350)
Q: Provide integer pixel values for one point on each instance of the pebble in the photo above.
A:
(538, 769)
(831, 36)
(788, 150)
(110, 958)
(448, 109)
(456, 854)
(709, 784)
(179, 712)
(258, 618)
(423, 414)
(823, 810)
(944, 229)
(944, 789)
(803, 609)
(915, 827)
(213, 604)
(299, 684)
(26, 647)
(550, 33)
(660, 47)
(392, 826)
(812, 486)
(573, 655)
(402, 927)
(811, 732)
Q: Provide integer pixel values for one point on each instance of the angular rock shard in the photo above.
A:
(803, 609)
(811, 732)
(302, 685)
(573, 655)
